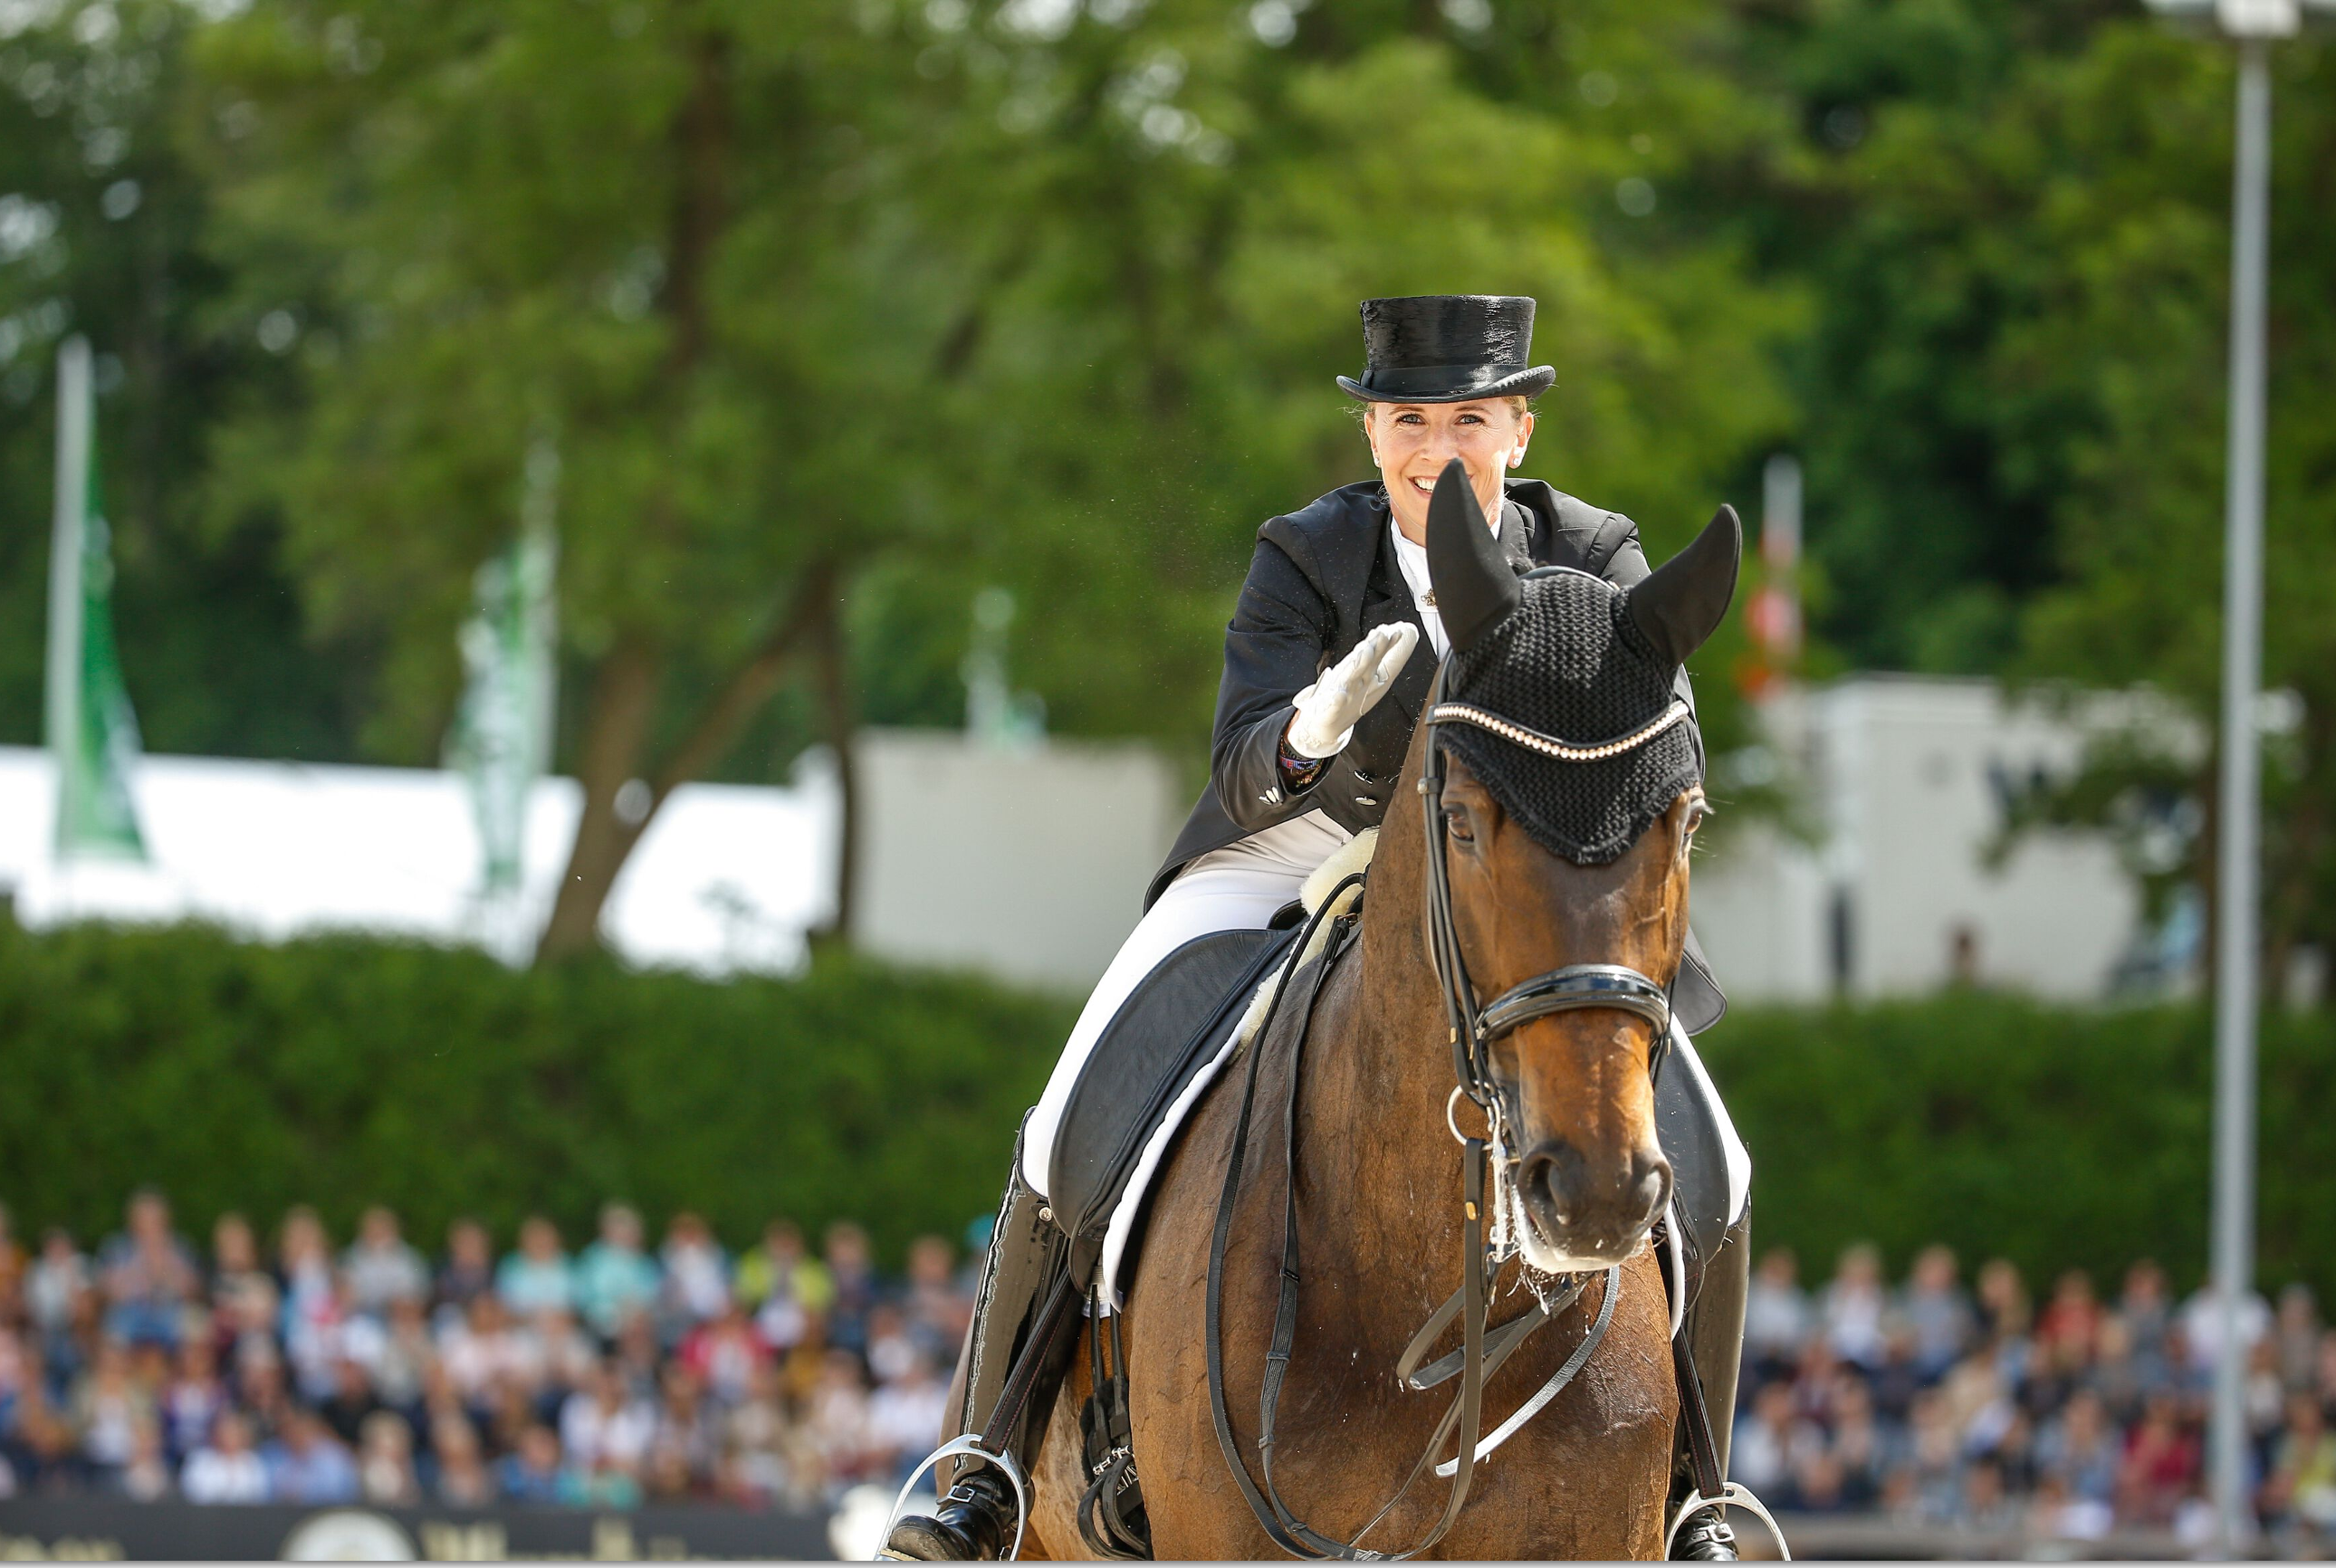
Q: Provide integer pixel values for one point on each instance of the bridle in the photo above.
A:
(1482, 1350)
(1572, 988)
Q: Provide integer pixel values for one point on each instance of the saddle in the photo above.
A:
(1178, 1019)
(1173, 1024)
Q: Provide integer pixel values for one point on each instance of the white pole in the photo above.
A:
(2237, 956)
(64, 682)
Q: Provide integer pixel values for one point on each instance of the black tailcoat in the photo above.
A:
(1322, 579)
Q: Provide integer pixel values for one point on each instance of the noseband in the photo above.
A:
(1572, 987)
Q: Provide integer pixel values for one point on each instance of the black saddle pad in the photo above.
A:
(1174, 1021)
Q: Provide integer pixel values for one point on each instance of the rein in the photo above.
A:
(1572, 988)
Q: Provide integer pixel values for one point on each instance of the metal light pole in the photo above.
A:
(2238, 855)
(2252, 25)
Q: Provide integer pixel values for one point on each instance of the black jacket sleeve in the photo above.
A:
(1274, 650)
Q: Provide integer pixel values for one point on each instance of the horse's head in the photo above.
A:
(1572, 790)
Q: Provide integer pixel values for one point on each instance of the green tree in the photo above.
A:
(1040, 294)
(656, 232)
(101, 220)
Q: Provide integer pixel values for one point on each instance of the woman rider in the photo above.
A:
(1324, 678)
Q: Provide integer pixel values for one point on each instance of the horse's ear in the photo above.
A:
(1474, 588)
(1680, 603)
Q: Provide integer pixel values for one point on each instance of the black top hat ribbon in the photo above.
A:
(1448, 348)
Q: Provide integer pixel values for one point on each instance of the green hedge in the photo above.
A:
(2054, 1138)
(345, 1071)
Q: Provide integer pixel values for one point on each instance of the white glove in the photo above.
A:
(1328, 709)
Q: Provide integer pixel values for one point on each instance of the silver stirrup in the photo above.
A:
(1732, 1495)
(969, 1445)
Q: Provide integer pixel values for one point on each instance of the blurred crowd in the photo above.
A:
(308, 1372)
(1944, 1405)
(303, 1371)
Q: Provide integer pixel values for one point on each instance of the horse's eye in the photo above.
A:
(1695, 814)
(1455, 823)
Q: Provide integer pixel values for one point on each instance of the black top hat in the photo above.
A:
(1448, 348)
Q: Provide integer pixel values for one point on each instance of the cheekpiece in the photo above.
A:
(1448, 348)
(1568, 661)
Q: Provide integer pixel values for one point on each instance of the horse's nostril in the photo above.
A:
(1653, 1185)
(1550, 1179)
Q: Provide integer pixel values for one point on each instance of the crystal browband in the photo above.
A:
(1550, 745)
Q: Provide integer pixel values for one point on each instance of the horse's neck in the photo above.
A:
(1373, 1138)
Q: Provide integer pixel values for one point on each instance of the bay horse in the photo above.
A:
(1377, 1174)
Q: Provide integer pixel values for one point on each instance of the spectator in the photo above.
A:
(380, 1268)
(905, 1417)
(852, 1267)
(726, 1355)
(1769, 1444)
(936, 1308)
(146, 1478)
(351, 1404)
(2003, 1302)
(2071, 1324)
(614, 1278)
(685, 1445)
(2160, 1462)
(2145, 1306)
(11, 1265)
(479, 1350)
(308, 1465)
(1852, 1305)
(107, 1409)
(385, 1461)
(191, 1401)
(2298, 1332)
(312, 1309)
(2302, 1486)
(226, 1470)
(537, 1277)
(147, 1274)
(236, 1275)
(696, 1286)
(2079, 1450)
(469, 1270)
(1775, 1314)
(837, 1417)
(1938, 1314)
(397, 1356)
(56, 1285)
(462, 1479)
(532, 1472)
(786, 1287)
(603, 1427)
(554, 1351)
(2201, 1326)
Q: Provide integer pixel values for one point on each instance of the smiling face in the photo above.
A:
(1412, 442)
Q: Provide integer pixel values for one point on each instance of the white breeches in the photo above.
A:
(1238, 887)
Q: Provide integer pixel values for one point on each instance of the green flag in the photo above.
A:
(92, 732)
(501, 741)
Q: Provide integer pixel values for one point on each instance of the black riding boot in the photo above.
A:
(974, 1524)
(977, 1518)
(1714, 1331)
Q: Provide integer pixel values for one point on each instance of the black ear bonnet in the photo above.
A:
(1570, 662)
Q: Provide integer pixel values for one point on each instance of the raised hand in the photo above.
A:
(1328, 709)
